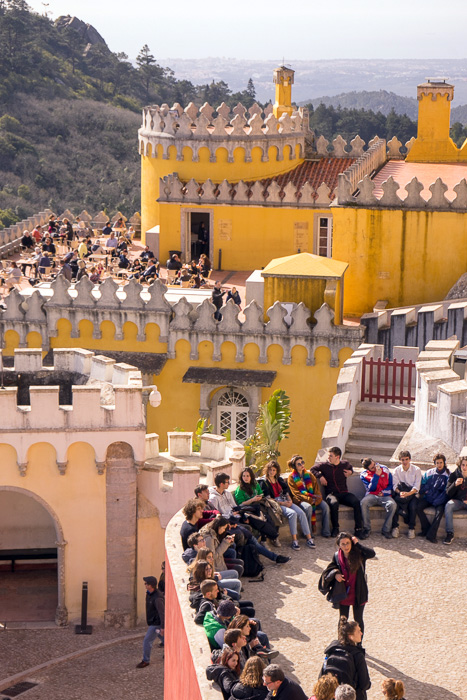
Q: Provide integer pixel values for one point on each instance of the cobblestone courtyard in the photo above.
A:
(415, 630)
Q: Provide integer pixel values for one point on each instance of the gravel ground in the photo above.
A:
(415, 620)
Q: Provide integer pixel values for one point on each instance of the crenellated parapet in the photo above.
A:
(408, 197)
(244, 193)
(143, 306)
(10, 237)
(221, 128)
(82, 397)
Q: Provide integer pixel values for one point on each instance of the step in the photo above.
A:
(374, 408)
(363, 445)
(384, 434)
(380, 421)
(355, 458)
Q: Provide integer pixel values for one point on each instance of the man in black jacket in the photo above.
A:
(279, 686)
(217, 300)
(333, 476)
(155, 605)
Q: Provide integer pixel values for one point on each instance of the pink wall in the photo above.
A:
(180, 679)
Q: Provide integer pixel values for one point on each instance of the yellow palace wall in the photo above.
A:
(154, 168)
(249, 236)
(84, 533)
(310, 388)
(404, 257)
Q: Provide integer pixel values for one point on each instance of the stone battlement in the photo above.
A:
(256, 194)
(365, 197)
(146, 305)
(165, 127)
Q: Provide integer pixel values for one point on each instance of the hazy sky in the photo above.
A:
(275, 29)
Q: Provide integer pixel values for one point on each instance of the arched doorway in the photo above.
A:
(32, 564)
(232, 415)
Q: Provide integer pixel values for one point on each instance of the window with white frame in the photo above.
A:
(232, 414)
(325, 236)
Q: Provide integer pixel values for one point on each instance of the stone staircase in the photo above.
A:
(377, 429)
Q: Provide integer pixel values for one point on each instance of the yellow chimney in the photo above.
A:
(283, 79)
(433, 143)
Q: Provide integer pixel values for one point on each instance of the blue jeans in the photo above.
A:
(292, 513)
(230, 582)
(449, 509)
(261, 549)
(388, 504)
(148, 641)
(325, 516)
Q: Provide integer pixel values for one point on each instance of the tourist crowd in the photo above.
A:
(226, 531)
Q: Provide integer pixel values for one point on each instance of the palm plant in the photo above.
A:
(271, 428)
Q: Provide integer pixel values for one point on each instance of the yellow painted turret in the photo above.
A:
(283, 79)
(433, 143)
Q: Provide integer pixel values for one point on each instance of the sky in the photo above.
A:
(274, 29)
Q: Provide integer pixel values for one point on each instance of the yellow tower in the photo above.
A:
(433, 143)
(283, 79)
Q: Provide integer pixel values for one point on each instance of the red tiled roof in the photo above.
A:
(313, 171)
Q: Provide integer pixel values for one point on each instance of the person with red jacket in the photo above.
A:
(333, 476)
(378, 484)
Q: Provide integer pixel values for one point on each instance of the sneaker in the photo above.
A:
(267, 654)
(387, 535)
(295, 545)
(281, 559)
(449, 538)
(276, 542)
(310, 543)
(364, 534)
(411, 535)
(395, 532)
(142, 664)
(335, 532)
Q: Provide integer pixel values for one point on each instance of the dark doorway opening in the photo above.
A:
(200, 234)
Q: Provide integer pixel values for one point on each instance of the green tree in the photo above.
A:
(150, 71)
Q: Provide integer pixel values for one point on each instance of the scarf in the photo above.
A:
(305, 486)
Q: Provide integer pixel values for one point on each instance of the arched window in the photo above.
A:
(232, 414)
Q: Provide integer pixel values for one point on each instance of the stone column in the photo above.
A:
(61, 613)
(121, 535)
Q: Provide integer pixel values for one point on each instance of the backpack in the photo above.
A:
(341, 664)
(251, 563)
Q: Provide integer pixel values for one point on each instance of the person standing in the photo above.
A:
(345, 658)
(333, 476)
(306, 494)
(348, 568)
(407, 480)
(433, 494)
(155, 605)
(216, 298)
(378, 483)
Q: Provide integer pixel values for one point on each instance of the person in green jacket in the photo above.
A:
(216, 624)
(249, 493)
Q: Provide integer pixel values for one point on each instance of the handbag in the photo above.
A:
(273, 509)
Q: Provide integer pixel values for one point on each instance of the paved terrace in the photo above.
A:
(414, 621)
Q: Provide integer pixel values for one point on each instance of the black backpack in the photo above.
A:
(341, 664)
(251, 564)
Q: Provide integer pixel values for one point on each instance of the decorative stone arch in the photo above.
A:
(211, 394)
(61, 613)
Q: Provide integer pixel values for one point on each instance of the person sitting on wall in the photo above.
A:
(250, 685)
(193, 512)
(227, 579)
(333, 476)
(306, 494)
(407, 480)
(194, 542)
(209, 513)
(155, 613)
(216, 623)
(281, 687)
(225, 673)
(378, 484)
(433, 494)
(456, 492)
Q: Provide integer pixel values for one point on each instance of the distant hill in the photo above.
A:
(381, 101)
